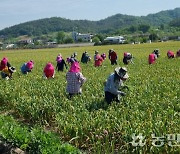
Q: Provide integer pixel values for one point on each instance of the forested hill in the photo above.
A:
(108, 25)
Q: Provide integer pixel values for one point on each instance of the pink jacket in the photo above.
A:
(49, 70)
(152, 58)
(98, 60)
(170, 54)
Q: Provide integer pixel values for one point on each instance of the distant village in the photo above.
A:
(78, 38)
(26, 41)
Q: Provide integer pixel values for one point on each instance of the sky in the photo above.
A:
(13, 12)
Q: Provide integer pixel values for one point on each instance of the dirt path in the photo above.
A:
(74, 45)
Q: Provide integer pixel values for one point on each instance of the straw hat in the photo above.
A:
(122, 72)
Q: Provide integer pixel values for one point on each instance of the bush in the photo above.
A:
(68, 40)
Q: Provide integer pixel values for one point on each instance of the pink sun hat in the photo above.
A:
(4, 61)
(75, 67)
(125, 54)
(59, 58)
(30, 64)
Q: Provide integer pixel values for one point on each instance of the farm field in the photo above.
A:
(151, 106)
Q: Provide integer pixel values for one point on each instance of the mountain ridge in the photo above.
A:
(107, 25)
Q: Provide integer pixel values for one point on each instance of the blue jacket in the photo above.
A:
(24, 69)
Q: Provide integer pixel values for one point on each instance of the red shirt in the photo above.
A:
(113, 56)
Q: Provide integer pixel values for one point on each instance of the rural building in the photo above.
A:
(25, 41)
(83, 37)
(10, 46)
(51, 43)
(115, 39)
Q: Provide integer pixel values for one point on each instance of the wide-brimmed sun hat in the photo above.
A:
(75, 54)
(12, 69)
(122, 72)
(96, 52)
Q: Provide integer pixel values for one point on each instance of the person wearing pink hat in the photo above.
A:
(59, 58)
(152, 58)
(170, 54)
(127, 58)
(72, 58)
(103, 56)
(4, 63)
(27, 67)
(6, 69)
(75, 80)
(113, 83)
(97, 59)
(49, 71)
(60, 63)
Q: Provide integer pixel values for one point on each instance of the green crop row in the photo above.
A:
(150, 106)
(33, 140)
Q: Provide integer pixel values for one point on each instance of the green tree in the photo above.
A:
(80, 40)
(96, 39)
(144, 28)
(143, 39)
(101, 37)
(132, 29)
(175, 23)
(153, 37)
(68, 40)
(37, 42)
(162, 27)
(60, 37)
